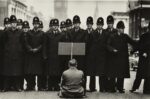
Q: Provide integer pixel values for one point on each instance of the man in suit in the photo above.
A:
(72, 81)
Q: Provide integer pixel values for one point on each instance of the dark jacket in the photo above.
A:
(51, 48)
(144, 62)
(34, 60)
(118, 62)
(96, 54)
(13, 53)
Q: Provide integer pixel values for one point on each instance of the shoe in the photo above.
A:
(49, 89)
(102, 90)
(18, 90)
(121, 91)
(133, 90)
(112, 91)
(30, 89)
(41, 89)
(5, 90)
(91, 90)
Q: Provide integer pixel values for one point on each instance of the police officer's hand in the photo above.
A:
(145, 54)
(115, 50)
(35, 50)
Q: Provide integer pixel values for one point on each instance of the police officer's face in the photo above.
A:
(19, 26)
(7, 25)
(25, 29)
(63, 29)
(89, 26)
(14, 25)
(36, 26)
(121, 30)
(76, 25)
(69, 27)
(40, 29)
(99, 26)
(110, 25)
(55, 27)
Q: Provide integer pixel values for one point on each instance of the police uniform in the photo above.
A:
(13, 57)
(42, 79)
(34, 59)
(65, 38)
(89, 32)
(118, 65)
(53, 60)
(6, 28)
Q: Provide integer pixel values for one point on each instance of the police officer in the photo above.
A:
(34, 59)
(42, 79)
(6, 28)
(110, 30)
(65, 38)
(118, 67)
(89, 31)
(13, 57)
(78, 35)
(7, 24)
(68, 24)
(19, 24)
(63, 26)
(53, 67)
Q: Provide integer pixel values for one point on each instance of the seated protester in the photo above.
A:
(72, 82)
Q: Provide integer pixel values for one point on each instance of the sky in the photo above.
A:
(83, 8)
(77, 6)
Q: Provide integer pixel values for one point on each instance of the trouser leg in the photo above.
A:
(1, 82)
(31, 82)
(136, 83)
(120, 84)
(92, 83)
(7, 83)
(42, 81)
(112, 84)
(103, 82)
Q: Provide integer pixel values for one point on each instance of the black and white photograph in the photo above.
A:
(74, 49)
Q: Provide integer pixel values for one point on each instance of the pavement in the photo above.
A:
(93, 95)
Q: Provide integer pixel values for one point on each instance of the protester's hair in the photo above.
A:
(72, 62)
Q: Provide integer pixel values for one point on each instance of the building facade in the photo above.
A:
(139, 17)
(15, 7)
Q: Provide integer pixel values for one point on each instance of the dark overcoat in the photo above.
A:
(96, 54)
(34, 60)
(144, 62)
(118, 62)
(53, 60)
(1, 51)
(13, 60)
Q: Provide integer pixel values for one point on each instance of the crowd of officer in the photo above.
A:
(30, 54)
